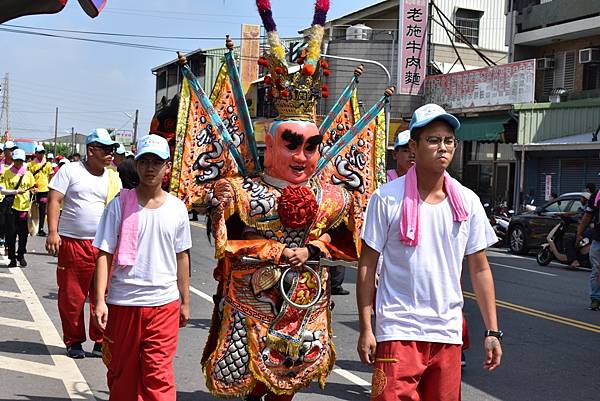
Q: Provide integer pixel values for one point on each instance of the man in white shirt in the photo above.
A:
(147, 232)
(84, 188)
(417, 343)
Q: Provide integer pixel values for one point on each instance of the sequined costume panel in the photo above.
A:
(256, 336)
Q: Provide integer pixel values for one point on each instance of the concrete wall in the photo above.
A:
(556, 12)
(526, 52)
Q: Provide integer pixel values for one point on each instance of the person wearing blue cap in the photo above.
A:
(146, 231)
(84, 188)
(424, 224)
(403, 156)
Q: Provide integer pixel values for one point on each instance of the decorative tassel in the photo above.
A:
(266, 15)
(321, 9)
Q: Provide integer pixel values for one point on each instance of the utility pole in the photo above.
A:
(4, 111)
(55, 130)
(135, 126)
(72, 140)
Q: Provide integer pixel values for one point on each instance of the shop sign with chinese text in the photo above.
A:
(497, 85)
(412, 53)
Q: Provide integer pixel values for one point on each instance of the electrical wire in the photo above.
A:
(106, 42)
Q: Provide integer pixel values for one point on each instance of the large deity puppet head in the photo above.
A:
(292, 150)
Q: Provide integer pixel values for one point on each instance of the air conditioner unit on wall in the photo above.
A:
(544, 63)
(589, 55)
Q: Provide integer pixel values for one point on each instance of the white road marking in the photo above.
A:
(64, 368)
(351, 377)
(20, 324)
(344, 373)
(512, 256)
(522, 269)
(201, 294)
(11, 294)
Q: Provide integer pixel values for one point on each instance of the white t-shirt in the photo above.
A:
(419, 297)
(162, 233)
(84, 200)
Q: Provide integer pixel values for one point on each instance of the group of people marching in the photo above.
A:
(127, 250)
(23, 182)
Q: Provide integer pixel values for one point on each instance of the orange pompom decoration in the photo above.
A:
(324, 64)
(308, 69)
(300, 60)
(297, 207)
(285, 93)
(325, 94)
(263, 61)
(268, 80)
(325, 88)
(326, 72)
(279, 70)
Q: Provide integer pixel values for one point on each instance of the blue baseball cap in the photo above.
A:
(9, 145)
(121, 149)
(101, 136)
(426, 114)
(402, 139)
(157, 145)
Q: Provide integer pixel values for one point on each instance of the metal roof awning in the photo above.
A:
(571, 142)
(483, 128)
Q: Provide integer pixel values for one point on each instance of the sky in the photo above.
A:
(99, 85)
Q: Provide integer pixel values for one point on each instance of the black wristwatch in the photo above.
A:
(491, 333)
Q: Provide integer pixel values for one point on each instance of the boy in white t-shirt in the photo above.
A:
(424, 224)
(147, 231)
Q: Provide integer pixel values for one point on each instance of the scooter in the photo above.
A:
(556, 247)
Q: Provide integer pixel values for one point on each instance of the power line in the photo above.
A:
(106, 42)
(131, 35)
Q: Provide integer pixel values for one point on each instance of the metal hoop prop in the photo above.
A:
(292, 303)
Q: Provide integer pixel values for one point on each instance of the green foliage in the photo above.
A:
(61, 149)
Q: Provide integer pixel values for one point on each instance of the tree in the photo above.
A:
(62, 149)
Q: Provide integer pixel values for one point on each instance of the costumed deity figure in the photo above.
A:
(275, 231)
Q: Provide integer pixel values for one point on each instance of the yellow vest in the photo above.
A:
(114, 185)
(22, 202)
(43, 175)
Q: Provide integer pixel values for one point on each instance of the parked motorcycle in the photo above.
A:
(499, 219)
(556, 247)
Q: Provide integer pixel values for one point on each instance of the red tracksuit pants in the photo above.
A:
(75, 275)
(416, 371)
(139, 345)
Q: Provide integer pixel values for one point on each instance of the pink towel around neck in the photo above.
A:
(128, 238)
(18, 171)
(391, 175)
(597, 199)
(409, 217)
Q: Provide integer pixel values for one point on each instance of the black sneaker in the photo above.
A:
(97, 351)
(463, 360)
(22, 261)
(42, 233)
(339, 291)
(75, 351)
(12, 263)
(594, 305)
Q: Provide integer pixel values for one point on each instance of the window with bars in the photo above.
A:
(467, 22)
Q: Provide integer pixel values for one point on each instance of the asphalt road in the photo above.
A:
(551, 347)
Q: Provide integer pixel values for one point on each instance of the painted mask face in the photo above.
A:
(292, 150)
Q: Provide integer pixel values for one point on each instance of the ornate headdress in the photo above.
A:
(215, 135)
(295, 95)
